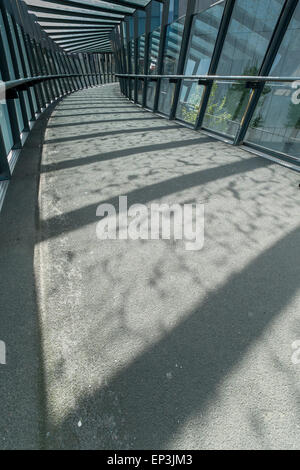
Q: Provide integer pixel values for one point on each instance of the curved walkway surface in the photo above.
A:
(137, 344)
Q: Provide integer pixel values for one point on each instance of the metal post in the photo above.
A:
(146, 51)
(162, 42)
(127, 45)
(136, 52)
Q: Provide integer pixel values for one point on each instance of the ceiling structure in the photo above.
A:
(82, 25)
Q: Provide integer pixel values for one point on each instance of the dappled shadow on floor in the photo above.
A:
(141, 406)
(146, 344)
(86, 214)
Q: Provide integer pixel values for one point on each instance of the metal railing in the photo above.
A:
(255, 83)
(12, 90)
(210, 78)
(24, 83)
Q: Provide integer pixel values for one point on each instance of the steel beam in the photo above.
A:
(75, 14)
(85, 6)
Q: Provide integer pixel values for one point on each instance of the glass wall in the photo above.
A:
(27, 51)
(281, 100)
(249, 33)
(170, 62)
(201, 45)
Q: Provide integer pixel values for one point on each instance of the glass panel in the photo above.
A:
(171, 56)
(141, 17)
(166, 93)
(152, 66)
(177, 8)
(140, 67)
(132, 63)
(11, 72)
(141, 52)
(156, 15)
(189, 101)
(140, 87)
(201, 45)
(281, 100)
(250, 30)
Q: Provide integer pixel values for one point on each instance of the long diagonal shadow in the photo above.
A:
(102, 157)
(111, 113)
(111, 133)
(64, 107)
(86, 123)
(206, 345)
(82, 216)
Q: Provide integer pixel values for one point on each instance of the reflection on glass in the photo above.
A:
(140, 67)
(201, 45)
(140, 86)
(141, 52)
(250, 30)
(281, 100)
(171, 56)
(189, 101)
(152, 66)
(131, 52)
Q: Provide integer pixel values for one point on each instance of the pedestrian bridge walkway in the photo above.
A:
(142, 344)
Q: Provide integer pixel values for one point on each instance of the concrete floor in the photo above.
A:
(134, 344)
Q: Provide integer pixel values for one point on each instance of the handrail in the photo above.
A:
(15, 84)
(209, 78)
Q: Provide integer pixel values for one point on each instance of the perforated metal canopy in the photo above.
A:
(82, 25)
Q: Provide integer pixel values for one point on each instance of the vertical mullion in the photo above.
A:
(183, 51)
(224, 25)
(136, 51)
(128, 80)
(123, 56)
(162, 42)
(146, 51)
